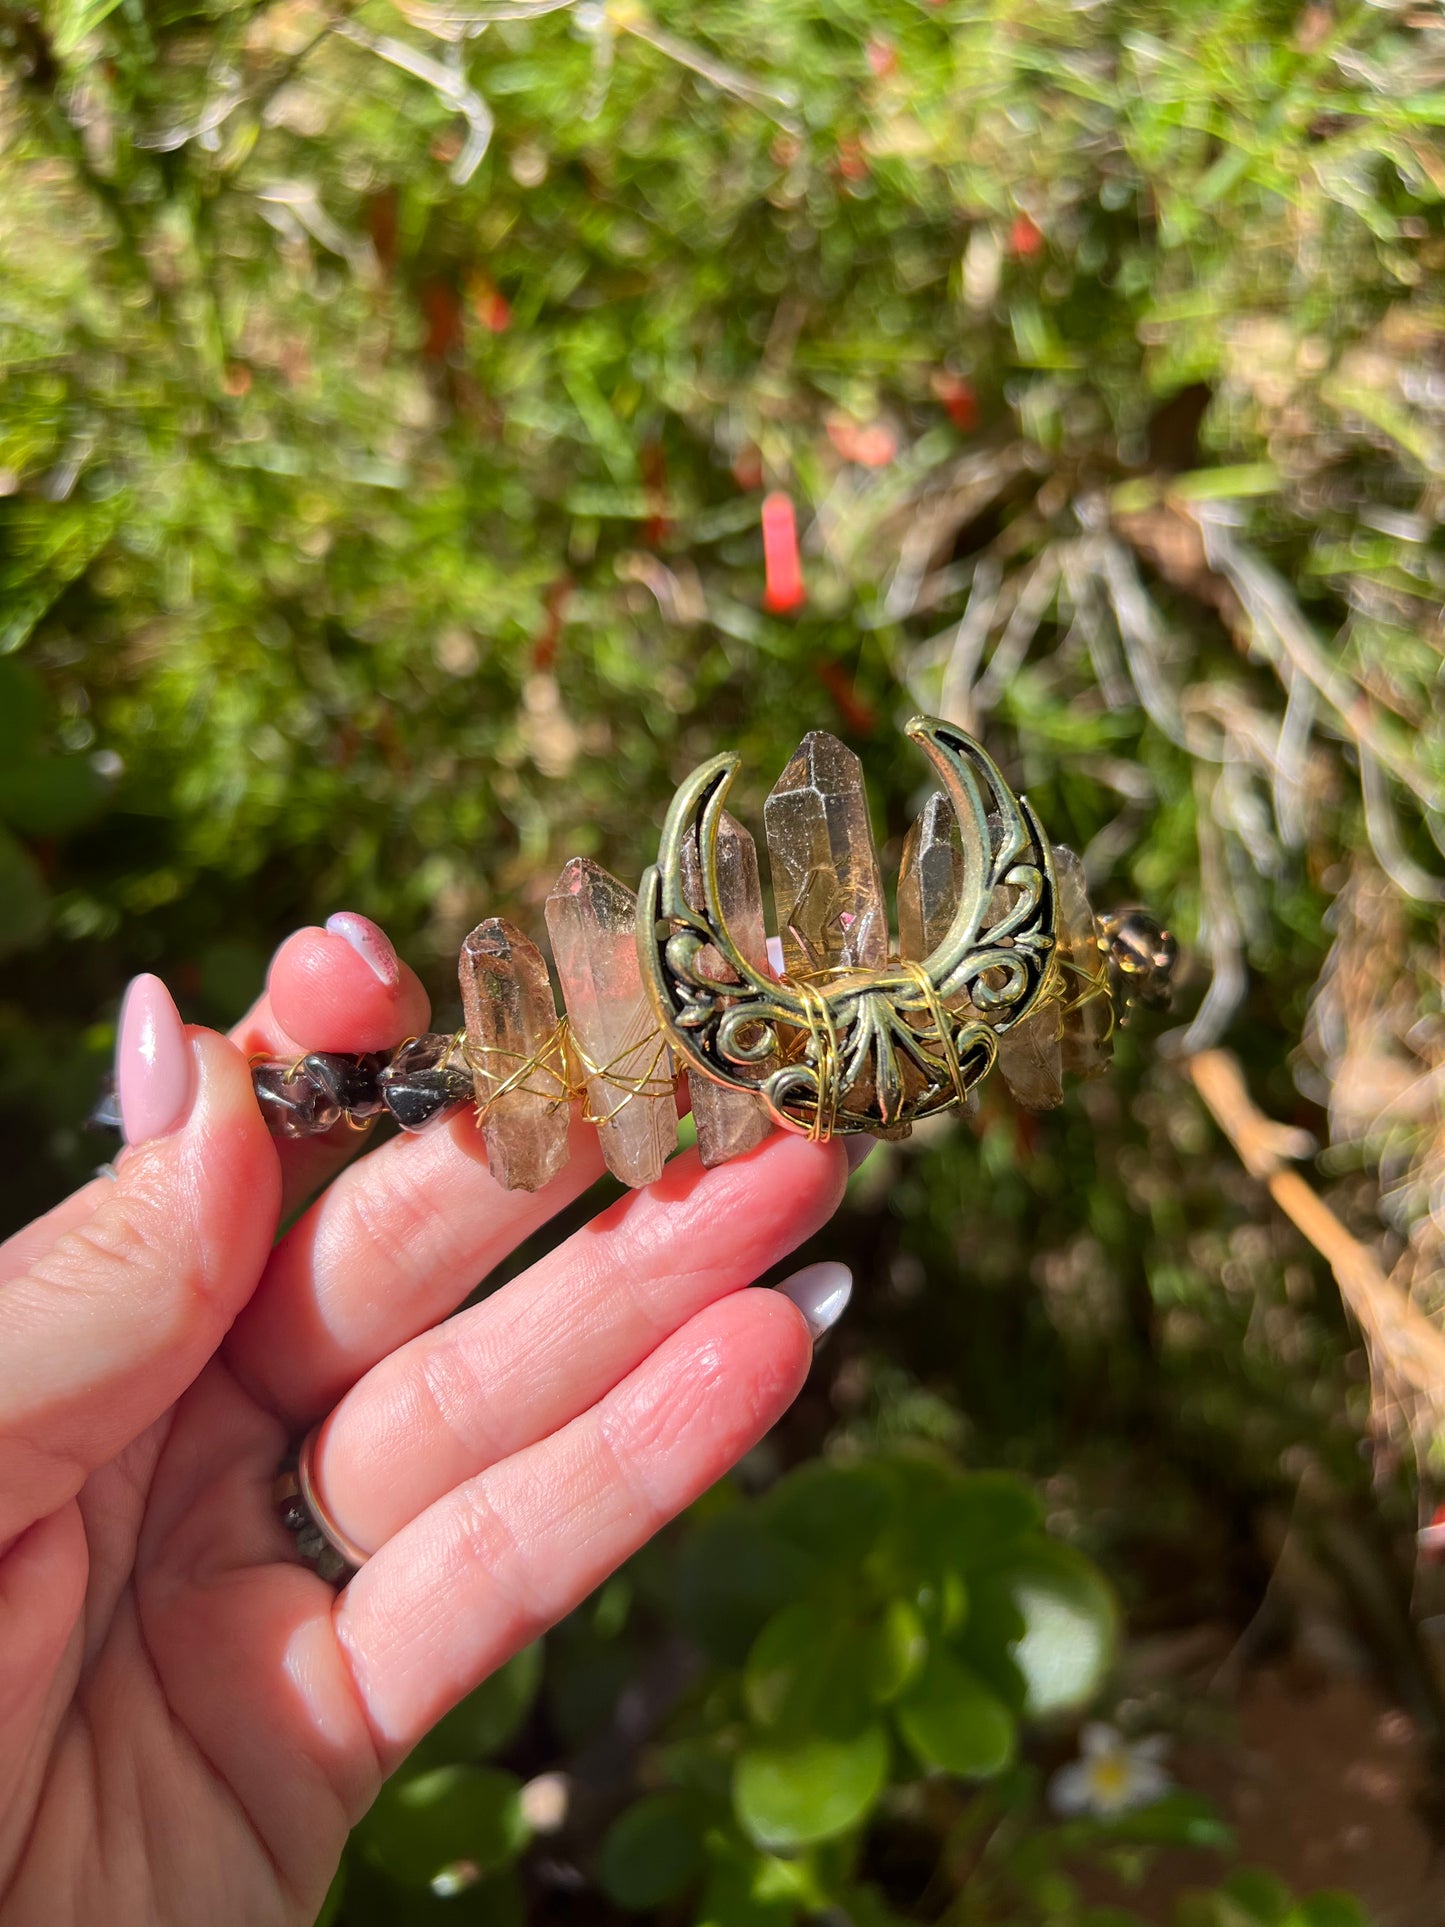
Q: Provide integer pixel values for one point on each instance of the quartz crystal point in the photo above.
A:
(591, 919)
(929, 879)
(511, 1015)
(1088, 1039)
(1031, 1057)
(826, 882)
(728, 1122)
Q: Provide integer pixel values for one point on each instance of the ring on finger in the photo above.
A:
(320, 1541)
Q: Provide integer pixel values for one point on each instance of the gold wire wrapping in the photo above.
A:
(552, 1071)
(822, 1053)
(928, 990)
(554, 1061)
(1096, 985)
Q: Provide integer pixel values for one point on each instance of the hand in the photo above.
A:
(190, 1719)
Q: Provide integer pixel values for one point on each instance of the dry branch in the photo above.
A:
(1406, 1348)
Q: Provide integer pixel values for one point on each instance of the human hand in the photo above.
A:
(190, 1719)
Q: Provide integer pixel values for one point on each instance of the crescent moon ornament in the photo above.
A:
(849, 1049)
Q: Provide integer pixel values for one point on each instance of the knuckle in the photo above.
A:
(486, 1543)
(627, 1446)
(128, 1246)
(392, 1213)
(454, 1394)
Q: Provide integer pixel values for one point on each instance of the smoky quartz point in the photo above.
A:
(930, 878)
(511, 1015)
(1031, 1052)
(728, 1122)
(827, 887)
(592, 919)
(1088, 1030)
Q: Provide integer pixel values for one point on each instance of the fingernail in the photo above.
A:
(821, 1293)
(858, 1148)
(153, 1067)
(775, 956)
(370, 943)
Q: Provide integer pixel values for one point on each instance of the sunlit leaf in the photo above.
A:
(1046, 1620)
(790, 1795)
(951, 1720)
(423, 1824)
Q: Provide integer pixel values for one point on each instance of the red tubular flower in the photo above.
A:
(1025, 238)
(958, 397)
(784, 590)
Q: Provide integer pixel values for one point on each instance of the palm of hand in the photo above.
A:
(191, 1720)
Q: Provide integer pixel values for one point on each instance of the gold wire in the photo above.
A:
(942, 1023)
(1096, 987)
(553, 1060)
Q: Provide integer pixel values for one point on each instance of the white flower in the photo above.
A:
(1110, 1776)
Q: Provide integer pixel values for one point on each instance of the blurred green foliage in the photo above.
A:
(387, 399)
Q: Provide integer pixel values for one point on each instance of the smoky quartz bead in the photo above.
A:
(426, 1081)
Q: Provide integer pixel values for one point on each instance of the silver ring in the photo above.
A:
(319, 1540)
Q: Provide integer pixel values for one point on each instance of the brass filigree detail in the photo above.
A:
(849, 1050)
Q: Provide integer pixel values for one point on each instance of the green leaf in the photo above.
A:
(1179, 1819)
(952, 1720)
(789, 1795)
(894, 1647)
(487, 1718)
(24, 899)
(331, 1906)
(732, 1576)
(981, 1516)
(1058, 1620)
(461, 1901)
(77, 20)
(1328, 1909)
(22, 708)
(1259, 1895)
(832, 1512)
(740, 1890)
(807, 1672)
(49, 795)
(424, 1823)
(653, 1852)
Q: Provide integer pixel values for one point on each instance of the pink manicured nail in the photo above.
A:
(369, 942)
(153, 1067)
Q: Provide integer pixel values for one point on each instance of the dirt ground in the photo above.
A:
(1324, 1782)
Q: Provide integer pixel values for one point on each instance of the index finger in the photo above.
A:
(341, 988)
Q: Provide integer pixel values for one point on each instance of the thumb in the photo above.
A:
(104, 1329)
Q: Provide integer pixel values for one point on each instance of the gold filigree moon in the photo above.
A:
(855, 1050)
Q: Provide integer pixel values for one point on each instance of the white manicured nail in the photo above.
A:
(821, 1293)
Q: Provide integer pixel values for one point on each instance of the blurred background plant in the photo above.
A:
(390, 397)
